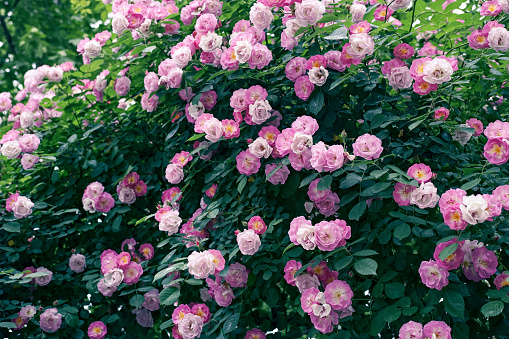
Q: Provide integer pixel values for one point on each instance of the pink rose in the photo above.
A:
(368, 147)
(151, 82)
(237, 275)
(432, 275)
(295, 68)
(122, 86)
(29, 143)
(247, 163)
(303, 87)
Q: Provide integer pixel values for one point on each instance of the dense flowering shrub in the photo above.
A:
(282, 168)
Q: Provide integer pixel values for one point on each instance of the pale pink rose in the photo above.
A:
(301, 142)
(260, 148)
(122, 86)
(174, 173)
(182, 56)
(261, 16)
(425, 196)
(309, 12)
(361, 44)
(213, 129)
(260, 111)
(249, 242)
(151, 82)
(334, 158)
(318, 157)
(305, 236)
(29, 160)
(400, 78)
(201, 264)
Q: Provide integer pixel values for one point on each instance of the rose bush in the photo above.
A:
(270, 168)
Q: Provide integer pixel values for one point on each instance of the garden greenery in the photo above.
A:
(278, 168)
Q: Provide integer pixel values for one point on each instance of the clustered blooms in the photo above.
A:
(21, 206)
(95, 199)
(423, 196)
(496, 150)
(143, 312)
(220, 288)
(118, 268)
(433, 329)
(24, 315)
(13, 143)
(251, 105)
(130, 188)
(322, 307)
(91, 49)
(459, 210)
(493, 34)
(476, 261)
(189, 320)
(138, 17)
(326, 235)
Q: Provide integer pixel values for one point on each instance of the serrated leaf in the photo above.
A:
(231, 323)
(324, 183)
(342, 263)
(169, 296)
(492, 309)
(357, 211)
(470, 184)
(454, 304)
(366, 266)
(307, 180)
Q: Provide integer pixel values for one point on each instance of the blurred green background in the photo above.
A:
(39, 32)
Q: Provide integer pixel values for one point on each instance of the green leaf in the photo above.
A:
(166, 324)
(365, 253)
(54, 177)
(454, 304)
(195, 282)
(231, 323)
(116, 224)
(136, 300)
(307, 180)
(324, 183)
(196, 137)
(168, 296)
(366, 266)
(350, 180)
(381, 186)
(415, 124)
(402, 231)
(316, 103)
(7, 325)
(470, 184)
(242, 184)
(327, 18)
(448, 251)
(12, 226)
(492, 309)
(342, 263)
(394, 290)
(357, 211)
